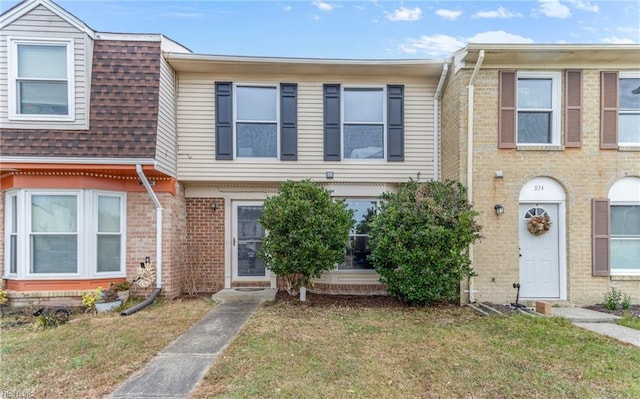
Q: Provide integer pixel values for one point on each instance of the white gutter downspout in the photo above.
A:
(156, 202)
(470, 106)
(436, 123)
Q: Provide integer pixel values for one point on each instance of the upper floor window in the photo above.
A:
(363, 123)
(538, 108)
(76, 233)
(629, 109)
(41, 79)
(256, 121)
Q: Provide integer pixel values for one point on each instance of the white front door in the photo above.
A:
(539, 254)
(246, 241)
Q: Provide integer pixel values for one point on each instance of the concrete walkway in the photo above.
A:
(178, 368)
(599, 322)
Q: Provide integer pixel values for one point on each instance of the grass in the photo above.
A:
(93, 354)
(288, 351)
(630, 321)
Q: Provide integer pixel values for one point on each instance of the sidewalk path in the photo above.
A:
(178, 368)
(599, 322)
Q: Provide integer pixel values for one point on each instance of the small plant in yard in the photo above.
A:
(4, 297)
(307, 232)
(121, 286)
(419, 241)
(613, 298)
(89, 298)
(626, 302)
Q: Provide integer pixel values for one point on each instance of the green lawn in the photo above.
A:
(630, 321)
(288, 351)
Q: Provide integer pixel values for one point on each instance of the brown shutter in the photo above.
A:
(573, 109)
(507, 110)
(600, 233)
(609, 110)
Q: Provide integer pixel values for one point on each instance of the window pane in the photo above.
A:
(42, 62)
(45, 98)
(13, 254)
(356, 256)
(108, 214)
(630, 93)
(250, 235)
(625, 220)
(54, 253)
(629, 128)
(363, 141)
(257, 140)
(534, 93)
(54, 213)
(363, 105)
(256, 103)
(534, 127)
(14, 214)
(109, 253)
(625, 254)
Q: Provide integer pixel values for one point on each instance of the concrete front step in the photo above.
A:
(245, 294)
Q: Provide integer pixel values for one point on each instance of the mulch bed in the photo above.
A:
(634, 310)
(351, 301)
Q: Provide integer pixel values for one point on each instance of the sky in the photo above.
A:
(378, 29)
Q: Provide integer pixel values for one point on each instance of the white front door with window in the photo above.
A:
(246, 241)
(539, 254)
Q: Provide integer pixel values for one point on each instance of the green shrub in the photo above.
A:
(612, 298)
(626, 302)
(307, 232)
(419, 241)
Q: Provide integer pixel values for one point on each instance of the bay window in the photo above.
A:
(74, 233)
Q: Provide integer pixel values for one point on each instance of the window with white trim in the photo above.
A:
(256, 121)
(71, 233)
(357, 253)
(363, 122)
(41, 79)
(538, 108)
(629, 108)
(624, 200)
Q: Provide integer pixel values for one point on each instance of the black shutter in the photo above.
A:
(288, 122)
(331, 104)
(224, 121)
(395, 123)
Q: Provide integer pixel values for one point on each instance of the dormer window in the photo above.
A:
(41, 82)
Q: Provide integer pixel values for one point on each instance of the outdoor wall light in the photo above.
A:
(329, 174)
(214, 206)
(499, 209)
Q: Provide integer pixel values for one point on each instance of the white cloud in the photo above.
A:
(554, 9)
(433, 46)
(443, 45)
(585, 5)
(287, 8)
(322, 6)
(616, 40)
(405, 14)
(498, 36)
(448, 14)
(501, 12)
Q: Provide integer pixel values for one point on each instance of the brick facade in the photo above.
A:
(584, 173)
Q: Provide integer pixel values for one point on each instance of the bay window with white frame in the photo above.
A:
(363, 122)
(70, 234)
(41, 81)
(538, 108)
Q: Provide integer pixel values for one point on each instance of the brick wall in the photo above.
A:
(204, 270)
(584, 173)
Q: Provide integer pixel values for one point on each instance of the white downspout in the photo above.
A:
(156, 202)
(470, 106)
(436, 123)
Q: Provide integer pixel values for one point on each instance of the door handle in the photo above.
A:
(234, 242)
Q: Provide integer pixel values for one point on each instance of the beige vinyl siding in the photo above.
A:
(41, 23)
(166, 142)
(196, 140)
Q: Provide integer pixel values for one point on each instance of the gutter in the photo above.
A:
(158, 205)
(470, 108)
(436, 122)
